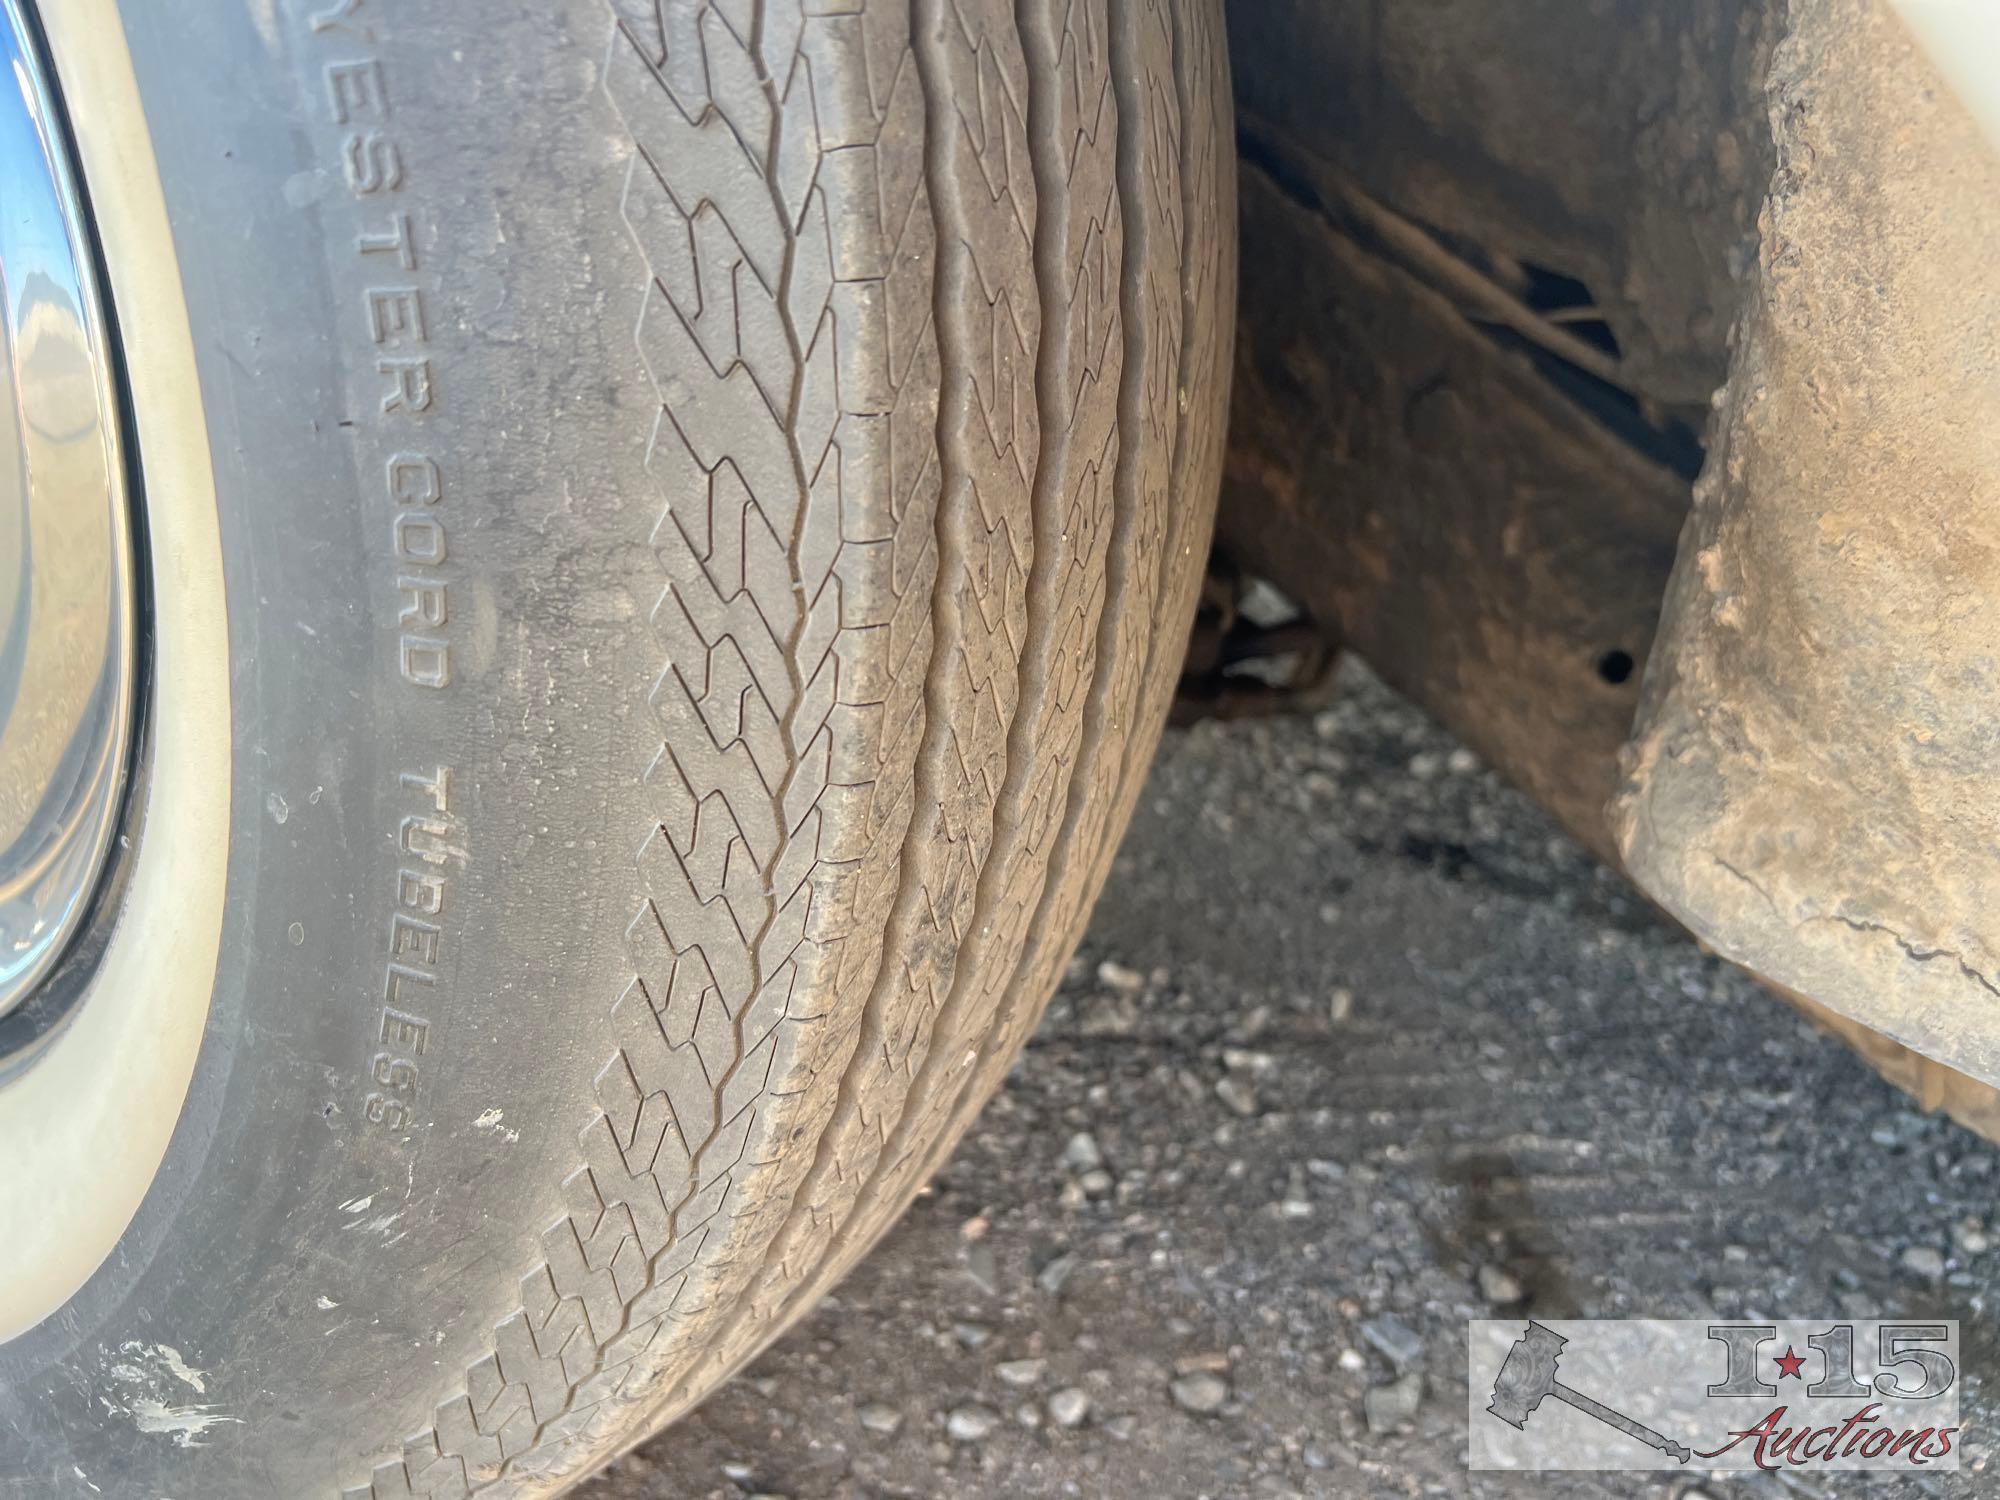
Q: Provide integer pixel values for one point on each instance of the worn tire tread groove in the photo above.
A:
(928, 285)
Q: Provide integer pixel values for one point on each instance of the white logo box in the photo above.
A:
(1803, 1395)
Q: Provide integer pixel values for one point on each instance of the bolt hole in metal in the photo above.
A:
(1615, 667)
(69, 657)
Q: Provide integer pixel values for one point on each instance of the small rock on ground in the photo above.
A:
(1082, 1153)
(1021, 1372)
(1055, 1275)
(1237, 1094)
(1116, 976)
(879, 1416)
(968, 1424)
(1395, 1340)
(1200, 1391)
(1389, 1407)
(1069, 1406)
(1924, 1261)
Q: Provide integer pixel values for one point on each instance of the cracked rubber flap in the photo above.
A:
(1810, 783)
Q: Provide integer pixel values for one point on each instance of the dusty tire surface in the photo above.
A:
(670, 768)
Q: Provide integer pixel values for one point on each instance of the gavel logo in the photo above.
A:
(1529, 1374)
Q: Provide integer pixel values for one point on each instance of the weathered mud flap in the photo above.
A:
(1813, 780)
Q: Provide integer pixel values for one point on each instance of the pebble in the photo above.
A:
(737, 1472)
(968, 1424)
(1096, 1183)
(1340, 1005)
(1391, 1406)
(1396, 1340)
(1501, 1288)
(1109, 1015)
(1213, 1360)
(1069, 1406)
(1122, 1426)
(982, 1267)
(1900, 1129)
(1924, 1261)
(1237, 1094)
(1201, 1392)
(1353, 1360)
(1115, 976)
(1021, 1372)
(1052, 1276)
(879, 1416)
(971, 1335)
(1082, 1153)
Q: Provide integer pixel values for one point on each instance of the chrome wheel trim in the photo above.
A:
(86, 1123)
(67, 652)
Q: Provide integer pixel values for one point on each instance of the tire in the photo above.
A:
(658, 801)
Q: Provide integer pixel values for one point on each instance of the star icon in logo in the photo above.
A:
(1789, 1363)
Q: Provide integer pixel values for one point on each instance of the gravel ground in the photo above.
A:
(1358, 1047)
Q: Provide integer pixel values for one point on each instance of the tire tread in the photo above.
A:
(932, 315)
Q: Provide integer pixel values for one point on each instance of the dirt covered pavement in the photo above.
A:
(1358, 1048)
